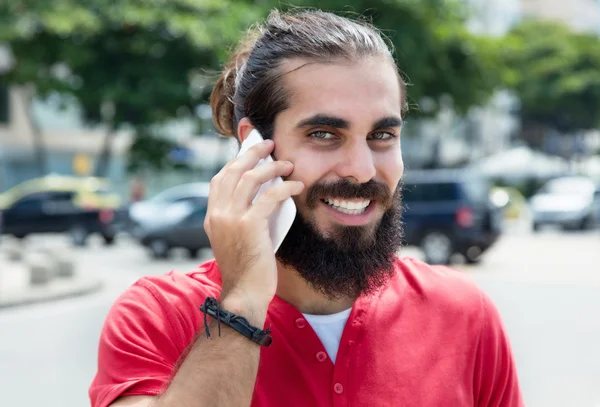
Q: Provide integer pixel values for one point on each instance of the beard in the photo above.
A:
(347, 261)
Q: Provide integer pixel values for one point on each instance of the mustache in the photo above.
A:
(344, 189)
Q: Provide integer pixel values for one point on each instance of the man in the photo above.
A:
(351, 323)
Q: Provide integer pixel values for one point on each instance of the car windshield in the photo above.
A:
(179, 192)
(430, 192)
(477, 190)
(167, 196)
(568, 186)
(104, 191)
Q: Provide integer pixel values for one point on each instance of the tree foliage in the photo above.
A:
(433, 48)
(556, 75)
(143, 62)
(129, 62)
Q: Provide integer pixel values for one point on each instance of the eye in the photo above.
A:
(382, 135)
(322, 135)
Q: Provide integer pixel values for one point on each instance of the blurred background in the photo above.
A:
(107, 147)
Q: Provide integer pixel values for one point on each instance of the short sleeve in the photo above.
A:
(146, 332)
(495, 382)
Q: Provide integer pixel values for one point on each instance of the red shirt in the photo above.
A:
(429, 338)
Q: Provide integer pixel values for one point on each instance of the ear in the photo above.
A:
(244, 129)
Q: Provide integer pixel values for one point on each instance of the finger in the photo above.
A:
(213, 192)
(270, 200)
(252, 180)
(247, 161)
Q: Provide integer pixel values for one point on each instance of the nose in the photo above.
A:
(356, 162)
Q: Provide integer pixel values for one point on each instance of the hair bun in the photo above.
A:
(221, 102)
(222, 98)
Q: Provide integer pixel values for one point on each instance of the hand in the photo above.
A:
(239, 230)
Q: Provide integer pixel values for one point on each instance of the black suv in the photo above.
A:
(56, 205)
(449, 212)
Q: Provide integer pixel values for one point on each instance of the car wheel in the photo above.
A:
(193, 253)
(536, 227)
(588, 223)
(79, 235)
(159, 248)
(108, 240)
(473, 255)
(437, 247)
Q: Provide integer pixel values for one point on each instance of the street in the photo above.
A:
(547, 287)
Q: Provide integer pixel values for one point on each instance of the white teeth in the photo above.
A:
(351, 208)
(350, 211)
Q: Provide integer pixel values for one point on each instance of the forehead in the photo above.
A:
(367, 88)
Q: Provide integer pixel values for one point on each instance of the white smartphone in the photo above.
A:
(282, 218)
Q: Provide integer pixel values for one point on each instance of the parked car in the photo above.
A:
(57, 204)
(160, 209)
(449, 212)
(567, 202)
(183, 231)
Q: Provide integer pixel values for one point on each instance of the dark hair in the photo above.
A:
(249, 86)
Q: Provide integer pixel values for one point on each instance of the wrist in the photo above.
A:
(252, 308)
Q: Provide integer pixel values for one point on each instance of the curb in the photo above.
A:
(54, 291)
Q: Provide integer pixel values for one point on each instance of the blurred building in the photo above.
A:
(450, 140)
(72, 148)
(581, 15)
(65, 139)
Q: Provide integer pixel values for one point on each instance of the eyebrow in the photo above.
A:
(339, 123)
(387, 122)
(324, 120)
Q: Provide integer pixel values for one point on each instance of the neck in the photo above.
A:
(292, 288)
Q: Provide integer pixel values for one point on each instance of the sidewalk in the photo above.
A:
(36, 275)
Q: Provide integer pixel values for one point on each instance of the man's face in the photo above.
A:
(343, 123)
(342, 132)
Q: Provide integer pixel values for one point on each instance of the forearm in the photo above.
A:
(220, 370)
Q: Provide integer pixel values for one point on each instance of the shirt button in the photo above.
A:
(321, 356)
(338, 388)
(301, 323)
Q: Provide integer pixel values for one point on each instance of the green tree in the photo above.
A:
(434, 50)
(142, 62)
(126, 63)
(556, 75)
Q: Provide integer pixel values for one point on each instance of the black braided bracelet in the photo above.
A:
(211, 307)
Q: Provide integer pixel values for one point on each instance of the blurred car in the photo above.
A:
(449, 212)
(567, 202)
(56, 204)
(165, 207)
(186, 230)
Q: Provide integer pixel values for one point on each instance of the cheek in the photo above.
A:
(390, 166)
(308, 166)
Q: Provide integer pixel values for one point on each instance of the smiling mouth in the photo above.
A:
(355, 207)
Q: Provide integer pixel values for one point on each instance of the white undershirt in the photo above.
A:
(329, 329)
